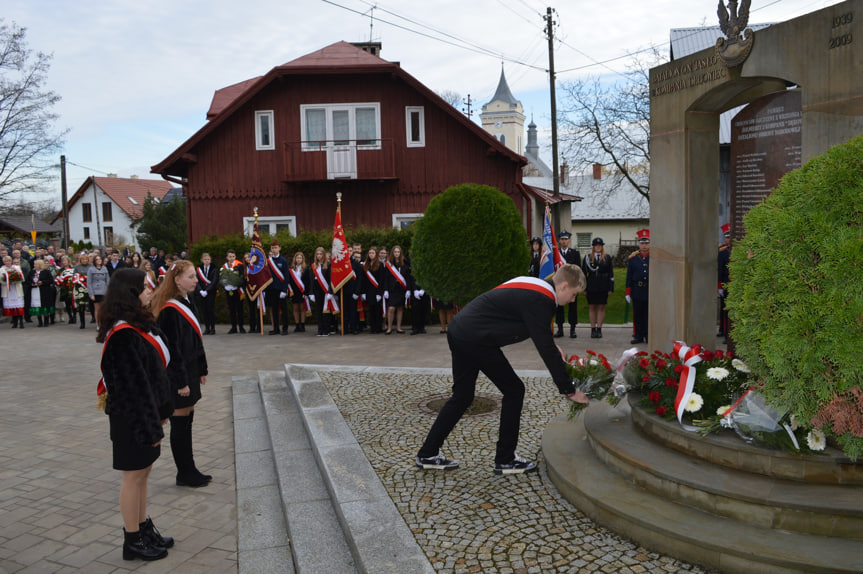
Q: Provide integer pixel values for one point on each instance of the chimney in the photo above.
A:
(133, 176)
(373, 48)
(112, 175)
(564, 172)
(597, 171)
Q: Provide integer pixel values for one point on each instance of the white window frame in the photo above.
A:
(421, 142)
(268, 224)
(352, 129)
(401, 218)
(258, 135)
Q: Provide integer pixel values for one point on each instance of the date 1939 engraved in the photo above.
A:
(837, 40)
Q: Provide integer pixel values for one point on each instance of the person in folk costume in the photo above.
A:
(535, 257)
(637, 286)
(254, 318)
(138, 403)
(573, 257)
(599, 272)
(519, 309)
(42, 292)
(372, 290)
(232, 276)
(206, 291)
(12, 291)
(723, 278)
(322, 291)
(396, 288)
(178, 320)
(277, 292)
(300, 288)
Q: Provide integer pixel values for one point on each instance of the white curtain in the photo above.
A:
(316, 126)
(366, 126)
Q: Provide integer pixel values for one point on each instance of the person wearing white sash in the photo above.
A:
(522, 308)
(321, 291)
(372, 290)
(187, 372)
(395, 288)
(300, 287)
(138, 403)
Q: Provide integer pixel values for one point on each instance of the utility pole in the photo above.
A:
(555, 210)
(467, 110)
(63, 198)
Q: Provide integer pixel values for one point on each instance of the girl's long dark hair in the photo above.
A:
(122, 303)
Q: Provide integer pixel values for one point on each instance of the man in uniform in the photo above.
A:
(519, 309)
(637, 275)
(722, 273)
(574, 257)
(277, 292)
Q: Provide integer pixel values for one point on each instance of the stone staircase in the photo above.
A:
(308, 500)
(715, 500)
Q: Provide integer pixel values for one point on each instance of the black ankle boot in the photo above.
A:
(136, 546)
(599, 332)
(153, 536)
(593, 332)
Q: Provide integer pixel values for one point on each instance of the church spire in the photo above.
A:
(503, 92)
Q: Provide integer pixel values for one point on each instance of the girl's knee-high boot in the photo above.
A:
(181, 448)
(194, 469)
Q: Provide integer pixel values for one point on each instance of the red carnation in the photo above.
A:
(654, 396)
(660, 364)
(719, 354)
(573, 360)
(645, 378)
(678, 369)
(643, 363)
(660, 411)
(669, 382)
(707, 356)
(641, 353)
(589, 352)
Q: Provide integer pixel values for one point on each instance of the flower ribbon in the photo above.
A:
(689, 357)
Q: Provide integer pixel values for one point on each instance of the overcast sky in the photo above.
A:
(136, 76)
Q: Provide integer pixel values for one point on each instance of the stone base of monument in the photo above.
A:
(714, 501)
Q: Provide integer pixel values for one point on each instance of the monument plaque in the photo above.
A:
(765, 145)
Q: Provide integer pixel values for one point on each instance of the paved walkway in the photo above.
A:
(58, 493)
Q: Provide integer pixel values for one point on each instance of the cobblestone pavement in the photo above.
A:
(471, 520)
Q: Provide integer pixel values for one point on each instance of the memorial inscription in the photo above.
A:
(840, 33)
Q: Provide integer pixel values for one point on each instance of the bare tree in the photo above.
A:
(609, 123)
(27, 140)
(44, 210)
(451, 97)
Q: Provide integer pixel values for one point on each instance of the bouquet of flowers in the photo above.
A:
(12, 275)
(79, 289)
(593, 376)
(230, 277)
(65, 281)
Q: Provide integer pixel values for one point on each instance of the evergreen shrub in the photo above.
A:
(796, 293)
(469, 240)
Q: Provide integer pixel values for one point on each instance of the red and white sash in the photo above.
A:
(203, 277)
(322, 281)
(330, 303)
(154, 340)
(531, 284)
(370, 276)
(162, 271)
(297, 278)
(275, 269)
(397, 275)
(187, 314)
(150, 283)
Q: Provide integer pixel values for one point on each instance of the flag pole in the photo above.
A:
(342, 290)
(260, 307)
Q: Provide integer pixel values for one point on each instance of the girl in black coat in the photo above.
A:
(138, 403)
(178, 319)
(299, 283)
(396, 281)
(372, 291)
(319, 272)
(599, 271)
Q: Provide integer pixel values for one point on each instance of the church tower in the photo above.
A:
(503, 117)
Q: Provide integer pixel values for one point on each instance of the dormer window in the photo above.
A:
(264, 130)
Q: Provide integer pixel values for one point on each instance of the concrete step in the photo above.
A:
(805, 507)
(728, 450)
(379, 539)
(659, 523)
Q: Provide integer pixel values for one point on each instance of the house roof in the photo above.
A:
(608, 198)
(335, 59)
(222, 98)
(127, 193)
(25, 223)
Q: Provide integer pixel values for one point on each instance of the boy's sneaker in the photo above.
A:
(437, 462)
(517, 466)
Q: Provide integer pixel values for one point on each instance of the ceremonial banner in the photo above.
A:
(550, 260)
(340, 266)
(258, 273)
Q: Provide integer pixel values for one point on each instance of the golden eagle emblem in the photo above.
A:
(735, 47)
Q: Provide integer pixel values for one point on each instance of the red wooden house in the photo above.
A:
(336, 120)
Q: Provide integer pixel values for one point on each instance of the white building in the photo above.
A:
(103, 208)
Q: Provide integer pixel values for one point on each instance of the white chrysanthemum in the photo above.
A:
(594, 362)
(816, 440)
(723, 410)
(717, 373)
(793, 422)
(740, 365)
(693, 403)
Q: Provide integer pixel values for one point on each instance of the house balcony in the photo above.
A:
(340, 160)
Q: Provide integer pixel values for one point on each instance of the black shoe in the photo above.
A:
(572, 334)
(274, 332)
(83, 326)
(636, 340)
(720, 334)
(193, 481)
(517, 466)
(285, 331)
(242, 331)
(593, 332)
(136, 546)
(232, 331)
(437, 462)
(297, 328)
(153, 536)
(559, 332)
(599, 332)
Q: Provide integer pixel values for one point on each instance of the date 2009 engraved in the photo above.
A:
(842, 39)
